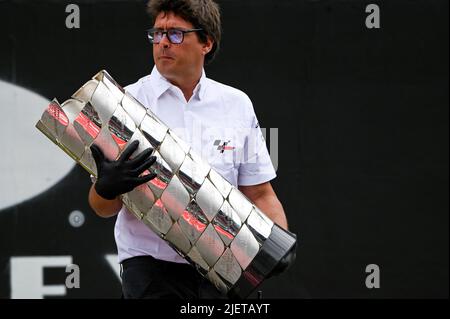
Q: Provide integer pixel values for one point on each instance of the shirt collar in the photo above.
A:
(200, 89)
(160, 84)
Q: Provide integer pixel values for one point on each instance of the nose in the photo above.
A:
(165, 41)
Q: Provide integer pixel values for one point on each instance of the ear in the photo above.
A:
(207, 46)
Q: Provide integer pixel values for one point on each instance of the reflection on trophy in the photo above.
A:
(201, 215)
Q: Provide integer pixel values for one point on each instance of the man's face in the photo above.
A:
(178, 60)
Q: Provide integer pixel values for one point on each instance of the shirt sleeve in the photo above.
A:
(256, 166)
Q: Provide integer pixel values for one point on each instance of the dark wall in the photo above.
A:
(363, 134)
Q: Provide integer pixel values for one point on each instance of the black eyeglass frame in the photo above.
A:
(150, 33)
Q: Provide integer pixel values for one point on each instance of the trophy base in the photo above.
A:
(275, 248)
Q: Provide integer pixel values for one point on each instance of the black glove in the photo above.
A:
(286, 261)
(121, 176)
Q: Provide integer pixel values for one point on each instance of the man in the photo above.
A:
(216, 120)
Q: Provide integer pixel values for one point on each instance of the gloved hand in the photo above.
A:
(122, 176)
(286, 261)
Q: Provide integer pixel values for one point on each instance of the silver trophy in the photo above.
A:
(201, 215)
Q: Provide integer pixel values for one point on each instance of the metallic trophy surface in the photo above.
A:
(208, 221)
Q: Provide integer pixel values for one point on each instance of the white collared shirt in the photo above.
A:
(220, 124)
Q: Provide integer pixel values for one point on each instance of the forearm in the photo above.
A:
(103, 207)
(271, 206)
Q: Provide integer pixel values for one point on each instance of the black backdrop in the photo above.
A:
(363, 134)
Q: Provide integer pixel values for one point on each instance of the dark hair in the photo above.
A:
(204, 14)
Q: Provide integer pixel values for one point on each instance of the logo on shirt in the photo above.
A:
(223, 146)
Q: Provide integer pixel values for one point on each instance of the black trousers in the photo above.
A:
(145, 277)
